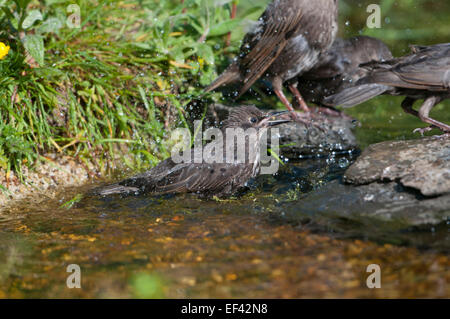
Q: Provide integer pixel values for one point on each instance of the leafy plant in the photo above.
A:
(14, 150)
(16, 21)
(114, 86)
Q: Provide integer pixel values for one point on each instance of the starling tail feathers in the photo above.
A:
(229, 76)
(356, 95)
(115, 189)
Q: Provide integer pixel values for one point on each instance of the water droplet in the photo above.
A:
(343, 163)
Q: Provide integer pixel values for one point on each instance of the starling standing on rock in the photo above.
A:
(424, 74)
(207, 178)
(339, 68)
(286, 42)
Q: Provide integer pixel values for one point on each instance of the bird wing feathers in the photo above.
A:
(184, 178)
(428, 69)
(202, 178)
(356, 95)
(262, 48)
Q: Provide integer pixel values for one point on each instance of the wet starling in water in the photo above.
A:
(286, 41)
(207, 178)
(339, 68)
(424, 74)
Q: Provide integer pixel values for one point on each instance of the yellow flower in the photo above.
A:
(4, 49)
(201, 62)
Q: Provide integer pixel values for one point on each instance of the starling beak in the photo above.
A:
(209, 178)
(286, 42)
(275, 118)
(424, 74)
(339, 68)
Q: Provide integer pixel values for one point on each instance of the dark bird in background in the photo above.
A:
(424, 74)
(339, 68)
(286, 41)
(208, 178)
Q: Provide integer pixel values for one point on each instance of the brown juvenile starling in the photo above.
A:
(339, 68)
(208, 177)
(424, 74)
(287, 41)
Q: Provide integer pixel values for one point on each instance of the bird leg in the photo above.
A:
(407, 106)
(304, 106)
(295, 116)
(283, 98)
(330, 110)
(298, 96)
(424, 112)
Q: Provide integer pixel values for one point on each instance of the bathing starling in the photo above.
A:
(423, 74)
(208, 177)
(286, 41)
(339, 68)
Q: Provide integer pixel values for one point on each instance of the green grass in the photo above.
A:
(122, 79)
(120, 83)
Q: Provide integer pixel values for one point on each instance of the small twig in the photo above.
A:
(13, 96)
(205, 34)
(232, 16)
(184, 9)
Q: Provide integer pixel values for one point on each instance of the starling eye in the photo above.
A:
(253, 119)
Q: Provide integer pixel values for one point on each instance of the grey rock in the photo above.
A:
(422, 164)
(297, 140)
(392, 186)
(336, 136)
(384, 201)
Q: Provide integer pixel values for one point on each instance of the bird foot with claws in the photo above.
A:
(307, 119)
(423, 130)
(332, 113)
(327, 111)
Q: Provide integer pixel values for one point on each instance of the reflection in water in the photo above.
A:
(181, 246)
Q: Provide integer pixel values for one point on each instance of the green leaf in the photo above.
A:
(206, 53)
(69, 204)
(8, 13)
(140, 45)
(34, 44)
(224, 27)
(51, 2)
(251, 12)
(32, 17)
(51, 25)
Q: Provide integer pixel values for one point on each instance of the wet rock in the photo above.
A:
(302, 141)
(391, 188)
(423, 165)
(382, 212)
(334, 133)
(403, 181)
(383, 201)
